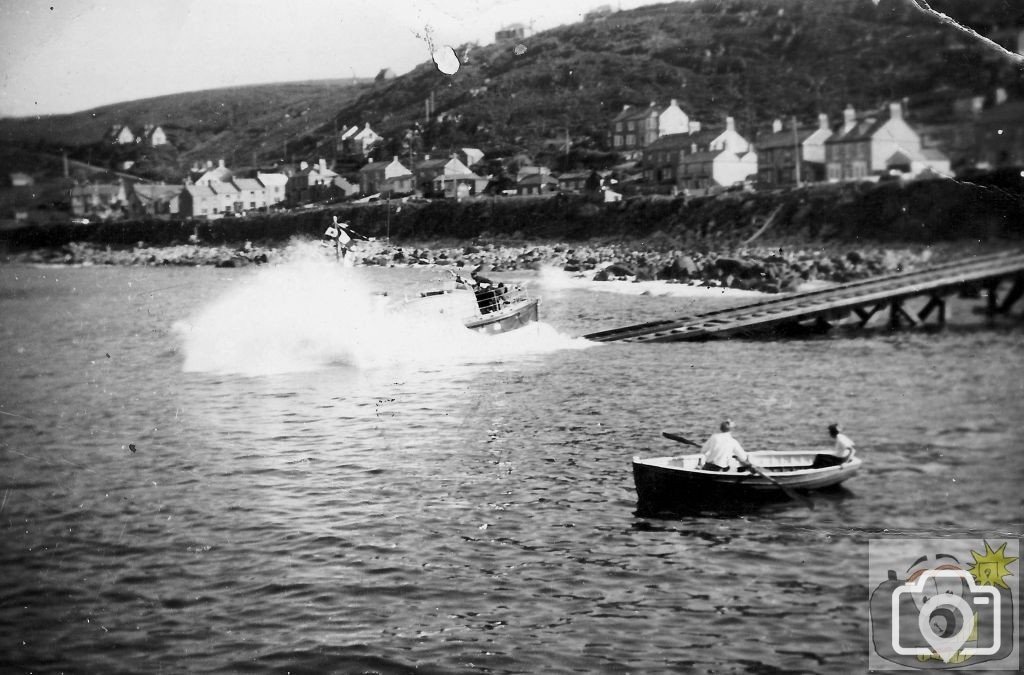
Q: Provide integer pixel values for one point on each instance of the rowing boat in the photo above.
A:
(678, 481)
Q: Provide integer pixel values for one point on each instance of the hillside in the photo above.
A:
(752, 59)
(233, 123)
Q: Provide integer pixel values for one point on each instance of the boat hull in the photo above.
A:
(677, 483)
(510, 318)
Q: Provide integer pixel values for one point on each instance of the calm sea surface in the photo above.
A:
(320, 485)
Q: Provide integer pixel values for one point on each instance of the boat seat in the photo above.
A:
(823, 461)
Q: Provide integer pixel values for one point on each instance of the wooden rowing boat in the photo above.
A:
(679, 482)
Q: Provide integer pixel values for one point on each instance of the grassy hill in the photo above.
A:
(752, 59)
(235, 123)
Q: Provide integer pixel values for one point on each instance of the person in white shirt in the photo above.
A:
(844, 446)
(720, 448)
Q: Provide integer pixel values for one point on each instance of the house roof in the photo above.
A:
(374, 166)
(432, 163)
(204, 190)
(783, 139)
(269, 179)
(862, 130)
(672, 142)
(248, 184)
(638, 112)
(699, 157)
(105, 189)
(537, 179)
(155, 192)
(224, 188)
(575, 175)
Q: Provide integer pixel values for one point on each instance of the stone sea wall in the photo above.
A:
(770, 241)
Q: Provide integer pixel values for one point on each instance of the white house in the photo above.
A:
(274, 185)
(216, 174)
(673, 120)
(730, 140)
(456, 180)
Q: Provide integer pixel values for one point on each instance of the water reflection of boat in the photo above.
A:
(484, 308)
(679, 482)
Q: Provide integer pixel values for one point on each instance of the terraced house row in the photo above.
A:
(672, 152)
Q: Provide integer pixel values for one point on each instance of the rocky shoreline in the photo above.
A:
(765, 269)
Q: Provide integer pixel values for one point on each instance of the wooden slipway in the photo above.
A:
(863, 298)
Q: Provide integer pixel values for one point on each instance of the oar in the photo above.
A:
(792, 494)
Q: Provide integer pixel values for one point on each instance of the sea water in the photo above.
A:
(274, 470)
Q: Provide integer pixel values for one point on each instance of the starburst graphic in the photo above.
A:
(991, 568)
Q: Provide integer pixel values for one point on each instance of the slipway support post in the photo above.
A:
(937, 302)
(1015, 293)
(898, 315)
(865, 315)
(992, 297)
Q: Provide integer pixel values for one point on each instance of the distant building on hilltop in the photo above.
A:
(120, 134)
(515, 31)
(154, 135)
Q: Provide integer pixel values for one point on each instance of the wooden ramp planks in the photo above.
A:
(864, 297)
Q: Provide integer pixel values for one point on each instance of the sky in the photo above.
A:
(63, 56)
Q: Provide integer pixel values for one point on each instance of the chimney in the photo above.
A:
(323, 165)
(849, 118)
(209, 164)
(730, 124)
(673, 103)
(776, 126)
(694, 127)
(303, 165)
(693, 148)
(220, 163)
(823, 121)
(895, 111)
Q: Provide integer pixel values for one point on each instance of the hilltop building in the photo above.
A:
(153, 135)
(120, 134)
(356, 141)
(515, 31)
